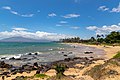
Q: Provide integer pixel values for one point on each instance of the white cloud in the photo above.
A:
(92, 28)
(116, 9)
(6, 7)
(76, 27)
(103, 8)
(63, 22)
(71, 16)
(16, 13)
(104, 29)
(13, 12)
(52, 15)
(22, 32)
(119, 24)
(20, 29)
(27, 15)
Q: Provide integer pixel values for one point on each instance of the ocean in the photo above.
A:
(14, 48)
(47, 52)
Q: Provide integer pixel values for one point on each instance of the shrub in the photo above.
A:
(60, 69)
(41, 76)
(117, 55)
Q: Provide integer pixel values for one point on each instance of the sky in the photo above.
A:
(56, 19)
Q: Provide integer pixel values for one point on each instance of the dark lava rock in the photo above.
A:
(16, 70)
(5, 73)
(36, 54)
(62, 52)
(27, 67)
(29, 53)
(3, 57)
(67, 59)
(4, 65)
(12, 58)
(35, 64)
(88, 52)
(65, 55)
(18, 59)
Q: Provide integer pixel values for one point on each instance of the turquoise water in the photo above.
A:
(26, 47)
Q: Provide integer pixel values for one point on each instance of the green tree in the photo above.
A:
(92, 39)
(113, 37)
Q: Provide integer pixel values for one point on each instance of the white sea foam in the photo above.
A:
(10, 56)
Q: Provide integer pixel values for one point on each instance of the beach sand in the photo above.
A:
(109, 50)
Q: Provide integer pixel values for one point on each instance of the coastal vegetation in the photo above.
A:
(41, 76)
(60, 69)
(112, 38)
(117, 55)
(71, 40)
(110, 69)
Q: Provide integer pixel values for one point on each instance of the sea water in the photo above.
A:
(18, 48)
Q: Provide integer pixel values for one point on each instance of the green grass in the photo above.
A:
(117, 55)
(41, 76)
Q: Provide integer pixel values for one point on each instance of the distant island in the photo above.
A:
(23, 39)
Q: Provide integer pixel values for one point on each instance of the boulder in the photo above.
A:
(29, 53)
(65, 55)
(4, 65)
(36, 54)
(88, 52)
(12, 58)
(5, 73)
(35, 64)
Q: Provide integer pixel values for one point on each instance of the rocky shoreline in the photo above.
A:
(12, 70)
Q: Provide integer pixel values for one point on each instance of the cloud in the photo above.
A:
(27, 15)
(117, 10)
(92, 28)
(7, 7)
(119, 24)
(76, 27)
(103, 8)
(52, 15)
(20, 29)
(71, 16)
(63, 22)
(104, 29)
(16, 13)
(22, 32)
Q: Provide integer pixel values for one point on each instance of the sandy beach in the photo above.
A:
(109, 50)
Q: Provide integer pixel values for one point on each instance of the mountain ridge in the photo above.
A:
(22, 39)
